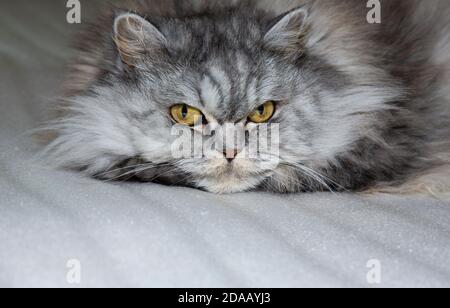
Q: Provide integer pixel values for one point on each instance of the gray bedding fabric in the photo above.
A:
(143, 235)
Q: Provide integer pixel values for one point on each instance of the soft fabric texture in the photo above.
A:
(144, 235)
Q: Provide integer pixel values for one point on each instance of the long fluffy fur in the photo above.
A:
(400, 76)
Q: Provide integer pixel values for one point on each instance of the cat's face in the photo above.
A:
(233, 71)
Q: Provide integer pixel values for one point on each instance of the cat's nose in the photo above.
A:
(230, 155)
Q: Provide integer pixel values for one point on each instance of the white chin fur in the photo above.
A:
(228, 185)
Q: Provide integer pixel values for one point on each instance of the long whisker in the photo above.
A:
(317, 177)
(136, 170)
(165, 173)
(321, 178)
(295, 180)
(182, 180)
(121, 169)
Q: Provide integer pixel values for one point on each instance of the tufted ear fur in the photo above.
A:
(136, 38)
(288, 32)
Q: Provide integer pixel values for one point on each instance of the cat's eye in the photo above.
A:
(263, 113)
(186, 115)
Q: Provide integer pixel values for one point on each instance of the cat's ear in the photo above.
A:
(136, 38)
(288, 31)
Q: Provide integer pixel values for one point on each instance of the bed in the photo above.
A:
(53, 222)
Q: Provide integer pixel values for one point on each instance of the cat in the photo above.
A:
(360, 106)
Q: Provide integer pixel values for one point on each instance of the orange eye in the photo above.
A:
(263, 113)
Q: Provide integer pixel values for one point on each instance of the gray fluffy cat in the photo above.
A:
(360, 106)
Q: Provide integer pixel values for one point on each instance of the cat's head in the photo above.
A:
(234, 68)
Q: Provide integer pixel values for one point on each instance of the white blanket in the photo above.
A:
(144, 235)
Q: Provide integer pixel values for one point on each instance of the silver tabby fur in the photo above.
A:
(365, 106)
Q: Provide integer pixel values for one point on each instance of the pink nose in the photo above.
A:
(230, 155)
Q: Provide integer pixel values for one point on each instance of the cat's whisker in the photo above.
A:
(322, 179)
(119, 169)
(149, 164)
(182, 180)
(141, 167)
(310, 175)
(293, 179)
(325, 178)
(165, 173)
(317, 177)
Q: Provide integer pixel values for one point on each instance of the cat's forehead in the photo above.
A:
(224, 91)
(214, 34)
(226, 57)
(231, 83)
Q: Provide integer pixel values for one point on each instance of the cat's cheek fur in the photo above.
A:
(154, 148)
(89, 137)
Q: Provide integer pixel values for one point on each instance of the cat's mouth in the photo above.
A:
(222, 176)
(232, 177)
